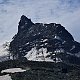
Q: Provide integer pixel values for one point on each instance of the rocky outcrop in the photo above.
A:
(44, 42)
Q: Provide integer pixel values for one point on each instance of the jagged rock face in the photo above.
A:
(35, 40)
(24, 23)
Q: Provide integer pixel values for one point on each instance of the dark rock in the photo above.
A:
(24, 23)
(32, 35)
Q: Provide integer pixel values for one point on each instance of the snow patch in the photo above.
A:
(39, 55)
(12, 70)
(3, 51)
(46, 43)
(73, 47)
(27, 43)
(77, 54)
(4, 58)
(63, 42)
(70, 53)
(57, 37)
(5, 77)
(45, 40)
(59, 50)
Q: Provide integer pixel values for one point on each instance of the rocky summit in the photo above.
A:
(44, 42)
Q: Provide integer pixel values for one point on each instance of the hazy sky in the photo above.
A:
(65, 12)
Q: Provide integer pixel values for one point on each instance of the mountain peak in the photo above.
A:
(24, 23)
(23, 17)
(43, 41)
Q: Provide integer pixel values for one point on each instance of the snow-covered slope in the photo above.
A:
(40, 55)
(3, 51)
(4, 54)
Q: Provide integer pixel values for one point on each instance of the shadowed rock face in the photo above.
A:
(53, 37)
(24, 23)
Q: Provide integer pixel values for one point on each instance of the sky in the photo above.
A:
(64, 12)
